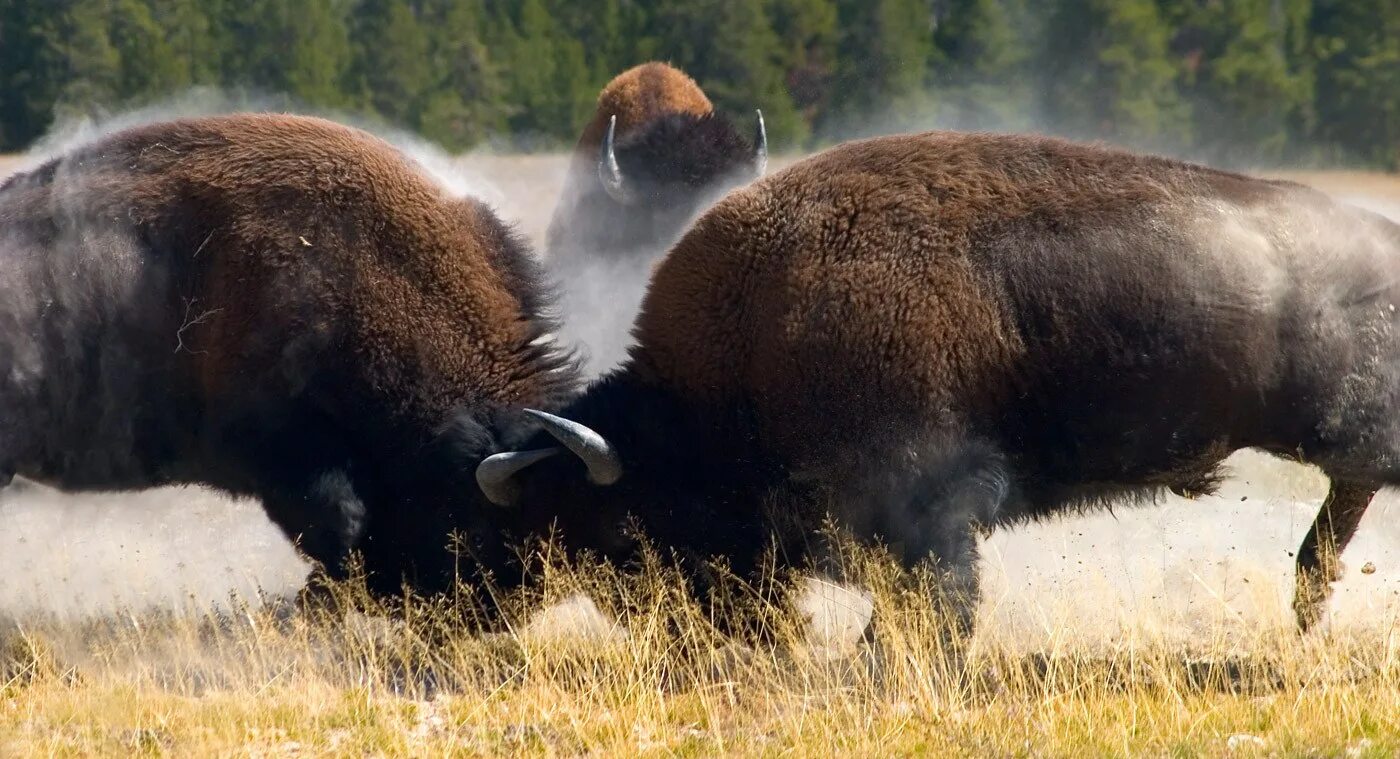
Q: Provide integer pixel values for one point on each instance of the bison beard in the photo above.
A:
(274, 306)
(918, 335)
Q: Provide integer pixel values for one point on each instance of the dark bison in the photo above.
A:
(923, 334)
(653, 155)
(274, 306)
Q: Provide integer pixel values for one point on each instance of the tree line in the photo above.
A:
(1231, 81)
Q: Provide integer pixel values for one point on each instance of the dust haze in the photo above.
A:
(1177, 569)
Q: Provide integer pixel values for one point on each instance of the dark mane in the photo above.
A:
(684, 148)
(556, 365)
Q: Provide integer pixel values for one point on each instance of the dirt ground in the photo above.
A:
(1181, 566)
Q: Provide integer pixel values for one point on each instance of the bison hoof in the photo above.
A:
(1310, 602)
(1311, 617)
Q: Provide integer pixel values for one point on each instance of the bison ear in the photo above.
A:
(604, 465)
(495, 475)
(760, 147)
(609, 173)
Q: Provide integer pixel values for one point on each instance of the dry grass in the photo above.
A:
(663, 680)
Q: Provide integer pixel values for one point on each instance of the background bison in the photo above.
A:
(653, 156)
(921, 334)
(654, 152)
(275, 306)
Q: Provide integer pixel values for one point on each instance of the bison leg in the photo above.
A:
(7, 463)
(1319, 563)
(321, 514)
(301, 469)
(932, 515)
(957, 589)
(953, 498)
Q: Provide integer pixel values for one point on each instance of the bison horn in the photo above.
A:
(495, 475)
(609, 173)
(604, 467)
(760, 147)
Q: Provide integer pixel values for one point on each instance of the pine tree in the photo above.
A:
(80, 50)
(1358, 78)
(318, 55)
(747, 72)
(189, 38)
(1247, 91)
(462, 107)
(884, 51)
(979, 63)
(27, 90)
(392, 64)
(546, 77)
(807, 36)
(1230, 80)
(603, 30)
(300, 51)
(149, 66)
(1108, 73)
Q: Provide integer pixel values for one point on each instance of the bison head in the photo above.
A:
(569, 463)
(649, 182)
(677, 157)
(647, 466)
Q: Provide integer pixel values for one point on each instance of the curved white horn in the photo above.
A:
(760, 146)
(495, 475)
(604, 466)
(609, 173)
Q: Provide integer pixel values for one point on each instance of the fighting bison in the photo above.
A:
(275, 306)
(923, 334)
(653, 155)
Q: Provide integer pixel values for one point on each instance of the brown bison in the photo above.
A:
(653, 155)
(274, 306)
(922, 334)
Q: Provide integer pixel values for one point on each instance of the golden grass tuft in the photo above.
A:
(657, 674)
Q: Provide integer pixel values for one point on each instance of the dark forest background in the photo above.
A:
(1230, 81)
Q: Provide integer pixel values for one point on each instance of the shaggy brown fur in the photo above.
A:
(275, 305)
(922, 333)
(637, 96)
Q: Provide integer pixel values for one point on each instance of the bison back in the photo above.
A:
(1097, 314)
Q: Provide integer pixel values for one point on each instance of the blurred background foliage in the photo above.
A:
(1229, 81)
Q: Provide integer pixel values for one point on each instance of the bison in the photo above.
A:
(926, 334)
(274, 306)
(654, 153)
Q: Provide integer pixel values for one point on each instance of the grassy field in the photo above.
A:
(662, 681)
(1148, 632)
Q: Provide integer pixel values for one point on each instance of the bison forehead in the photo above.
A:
(639, 95)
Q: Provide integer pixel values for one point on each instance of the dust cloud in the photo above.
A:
(83, 554)
(1175, 569)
